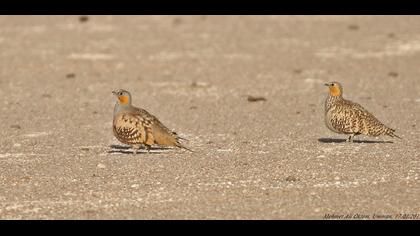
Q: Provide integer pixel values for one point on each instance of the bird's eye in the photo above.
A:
(120, 93)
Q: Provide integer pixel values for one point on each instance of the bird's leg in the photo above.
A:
(147, 148)
(350, 139)
(135, 149)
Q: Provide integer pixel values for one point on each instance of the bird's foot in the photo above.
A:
(148, 147)
(135, 149)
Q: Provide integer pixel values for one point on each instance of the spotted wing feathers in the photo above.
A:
(351, 118)
(140, 127)
(162, 135)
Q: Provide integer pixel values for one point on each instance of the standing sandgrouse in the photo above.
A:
(136, 127)
(345, 117)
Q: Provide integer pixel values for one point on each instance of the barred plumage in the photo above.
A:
(345, 117)
(136, 127)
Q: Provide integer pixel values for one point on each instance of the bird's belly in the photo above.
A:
(122, 137)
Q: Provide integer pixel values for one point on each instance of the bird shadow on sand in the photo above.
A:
(128, 150)
(336, 140)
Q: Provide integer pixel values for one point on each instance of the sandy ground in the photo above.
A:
(272, 159)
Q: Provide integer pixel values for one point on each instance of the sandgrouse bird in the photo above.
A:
(345, 117)
(137, 127)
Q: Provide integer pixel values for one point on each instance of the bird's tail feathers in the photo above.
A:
(183, 147)
(178, 137)
(394, 135)
(178, 144)
(391, 133)
(181, 138)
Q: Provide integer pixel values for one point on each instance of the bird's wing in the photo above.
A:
(131, 128)
(346, 117)
(161, 134)
(364, 121)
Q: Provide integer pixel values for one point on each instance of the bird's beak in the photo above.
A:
(327, 84)
(113, 92)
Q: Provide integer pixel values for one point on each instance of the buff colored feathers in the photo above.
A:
(137, 127)
(345, 117)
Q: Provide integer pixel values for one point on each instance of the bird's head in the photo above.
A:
(124, 97)
(335, 89)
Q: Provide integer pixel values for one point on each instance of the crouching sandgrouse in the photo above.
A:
(137, 127)
(346, 117)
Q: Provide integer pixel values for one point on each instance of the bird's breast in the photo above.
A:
(329, 116)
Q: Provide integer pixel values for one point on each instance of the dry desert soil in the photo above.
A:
(268, 158)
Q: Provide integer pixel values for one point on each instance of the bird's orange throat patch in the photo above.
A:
(123, 99)
(335, 91)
